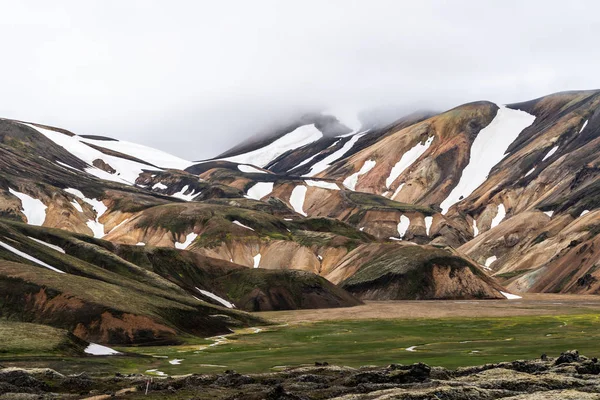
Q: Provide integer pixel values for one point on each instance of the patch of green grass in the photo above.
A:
(26, 339)
(450, 343)
(512, 274)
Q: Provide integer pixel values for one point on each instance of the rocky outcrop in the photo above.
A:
(576, 379)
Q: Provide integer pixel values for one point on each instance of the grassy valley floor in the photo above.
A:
(451, 334)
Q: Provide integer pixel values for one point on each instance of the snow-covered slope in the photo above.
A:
(261, 157)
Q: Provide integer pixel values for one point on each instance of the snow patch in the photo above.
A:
(351, 181)
(428, 222)
(260, 190)
(261, 157)
(407, 160)
(550, 153)
(490, 260)
(397, 190)
(189, 239)
(500, 215)
(98, 206)
(487, 150)
(34, 209)
(403, 225)
(297, 199)
(28, 257)
(53, 247)
(584, 212)
(330, 159)
(140, 244)
(530, 172)
(175, 361)
(160, 186)
(249, 169)
(77, 206)
(549, 213)
(411, 348)
(475, 229)
(242, 225)
(584, 125)
(217, 298)
(510, 296)
(257, 260)
(99, 350)
(322, 184)
(187, 197)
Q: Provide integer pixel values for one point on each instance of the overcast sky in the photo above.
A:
(196, 77)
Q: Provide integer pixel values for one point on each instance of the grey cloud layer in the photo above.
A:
(196, 77)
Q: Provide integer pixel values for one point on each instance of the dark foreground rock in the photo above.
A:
(570, 376)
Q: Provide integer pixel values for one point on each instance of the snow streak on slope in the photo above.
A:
(249, 169)
(98, 206)
(257, 260)
(499, 216)
(550, 153)
(330, 159)
(217, 298)
(407, 160)
(189, 239)
(322, 184)
(238, 223)
(428, 222)
(584, 125)
(34, 209)
(261, 157)
(187, 197)
(260, 190)
(153, 156)
(127, 170)
(28, 257)
(351, 181)
(53, 247)
(297, 199)
(487, 150)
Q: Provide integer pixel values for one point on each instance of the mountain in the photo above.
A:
(325, 211)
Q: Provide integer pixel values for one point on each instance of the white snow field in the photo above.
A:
(34, 209)
(403, 225)
(297, 199)
(351, 181)
(99, 350)
(510, 296)
(98, 206)
(490, 260)
(257, 260)
(500, 215)
(330, 159)
(428, 222)
(550, 153)
(187, 197)
(155, 157)
(189, 239)
(260, 190)
(249, 169)
(487, 150)
(28, 257)
(242, 225)
(217, 298)
(127, 170)
(297, 138)
(52, 246)
(322, 184)
(407, 160)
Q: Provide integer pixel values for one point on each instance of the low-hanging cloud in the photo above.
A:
(196, 77)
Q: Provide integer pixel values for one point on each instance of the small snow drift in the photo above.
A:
(53, 247)
(261, 157)
(500, 215)
(550, 153)
(322, 184)
(403, 225)
(257, 260)
(297, 199)
(260, 190)
(351, 181)
(34, 209)
(28, 257)
(487, 150)
(189, 239)
(407, 160)
(183, 196)
(428, 222)
(99, 350)
(217, 298)
(330, 159)
(98, 206)
(249, 169)
(510, 296)
(242, 225)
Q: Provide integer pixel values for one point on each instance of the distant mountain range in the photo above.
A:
(481, 201)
